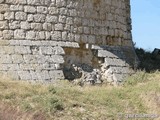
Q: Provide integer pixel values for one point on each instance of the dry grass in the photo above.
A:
(25, 101)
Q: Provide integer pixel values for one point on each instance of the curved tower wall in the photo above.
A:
(43, 39)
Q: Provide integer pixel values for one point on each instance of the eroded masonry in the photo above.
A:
(85, 40)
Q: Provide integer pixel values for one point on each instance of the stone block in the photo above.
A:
(21, 16)
(25, 42)
(39, 2)
(46, 50)
(24, 75)
(40, 35)
(105, 53)
(7, 34)
(16, 7)
(48, 35)
(115, 62)
(22, 50)
(64, 36)
(4, 8)
(39, 18)
(4, 42)
(36, 59)
(120, 70)
(8, 49)
(14, 25)
(42, 9)
(1, 1)
(53, 10)
(71, 37)
(3, 25)
(51, 19)
(29, 9)
(6, 67)
(13, 42)
(26, 66)
(5, 59)
(69, 20)
(25, 25)
(19, 34)
(59, 27)
(57, 59)
(45, 75)
(1, 16)
(57, 35)
(49, 66)
(31, 35)
(30, 18)
(63, 11)
(16, 1)
(9, 15)
(61, 3)
(13, 75)
(47, 26)
(36, 26)
(17, 59)
(62, 19)
(58, 50)
(56, 75)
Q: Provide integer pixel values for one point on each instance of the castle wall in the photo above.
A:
(36, 35)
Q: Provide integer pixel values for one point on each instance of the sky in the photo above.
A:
(146, 23)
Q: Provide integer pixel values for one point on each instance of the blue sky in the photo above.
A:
(146, 23)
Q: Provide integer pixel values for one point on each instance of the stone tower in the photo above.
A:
(47, 40)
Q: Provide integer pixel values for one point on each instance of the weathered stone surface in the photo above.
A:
(17, 59)
(39, 18)
(21, 16)
(42, 9)
(57, 59)
(3, 25)
(4, 8)
(115, 62)
(13, 67)
(58, 50)
(39, 2)
(3, 51)
(24, 75)
(9, 15)
(16, 7)
(7, 34)
(12, 74)
(14, 25)
(105, 53)
(56, 75)
(4, 42)
(31, 35)
(22, 50)
(29, 9)
(25, 25)
(19, 34)
(38, 38)
(51, 19)
(57, 36)
(16, 1)
(5, 59)
(1, 1)
(1, 16)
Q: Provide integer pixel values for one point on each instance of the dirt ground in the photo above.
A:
(11, 113)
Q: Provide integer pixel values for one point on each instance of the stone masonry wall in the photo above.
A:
(36, 35)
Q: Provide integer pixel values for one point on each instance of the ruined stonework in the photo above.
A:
(83, 40)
